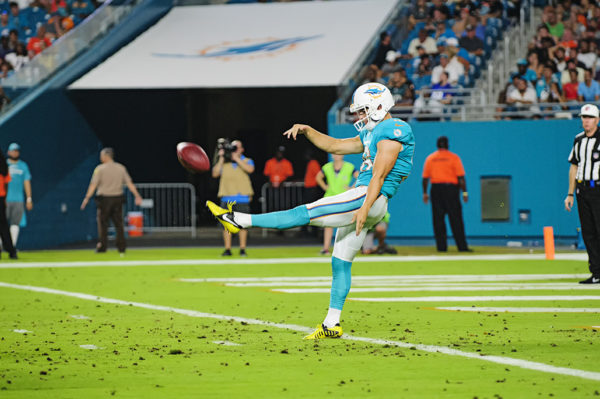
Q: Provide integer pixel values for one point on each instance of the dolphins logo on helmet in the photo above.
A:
(374, 100)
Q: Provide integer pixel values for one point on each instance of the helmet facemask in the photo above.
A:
(366, 119)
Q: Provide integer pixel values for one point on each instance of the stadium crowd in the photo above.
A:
(27, 27)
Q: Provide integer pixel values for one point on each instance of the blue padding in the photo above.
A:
(340, 285)
(295, 217)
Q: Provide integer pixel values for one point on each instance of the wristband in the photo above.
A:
(570, 195)
(29, 199)
(465, 193)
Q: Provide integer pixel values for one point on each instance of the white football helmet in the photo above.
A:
(375, 100)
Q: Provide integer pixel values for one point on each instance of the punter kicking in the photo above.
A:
(387, 145)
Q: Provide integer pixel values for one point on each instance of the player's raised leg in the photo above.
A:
(334, 211)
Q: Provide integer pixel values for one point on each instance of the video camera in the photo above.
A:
(227, 147)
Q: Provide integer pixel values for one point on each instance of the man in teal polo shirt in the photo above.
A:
(19, 191)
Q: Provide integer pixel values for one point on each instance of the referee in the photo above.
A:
(447, 175)
(584, 180)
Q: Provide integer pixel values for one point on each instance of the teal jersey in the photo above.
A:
(389, 129)
(19, 172)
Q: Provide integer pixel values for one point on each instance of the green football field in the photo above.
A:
(175, 323)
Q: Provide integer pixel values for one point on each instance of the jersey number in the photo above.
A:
(367, 164)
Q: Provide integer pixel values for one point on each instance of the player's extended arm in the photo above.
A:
(570, 193)
(326, 143)
(387, 154)
(29, 200)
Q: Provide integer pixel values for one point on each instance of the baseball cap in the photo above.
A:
(470, 27)
(522, 61)
(391, 56)
(452, 41)
(441, 42)
(14, 147)
(589, 110)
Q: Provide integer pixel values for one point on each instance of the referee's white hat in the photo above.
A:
(589, 110)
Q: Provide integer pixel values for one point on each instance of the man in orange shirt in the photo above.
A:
(447, 175)
(278, 169)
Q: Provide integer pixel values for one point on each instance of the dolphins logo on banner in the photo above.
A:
(244, 49)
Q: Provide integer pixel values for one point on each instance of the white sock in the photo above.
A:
(243, 219)
(332, 318)
(14, 233)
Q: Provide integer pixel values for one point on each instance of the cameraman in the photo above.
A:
(233, 168)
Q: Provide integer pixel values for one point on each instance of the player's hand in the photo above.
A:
(138, 200)
(83, 203)
(295, 131)
(425, 198)
(465, 197)
(569, 203)
(360, 217)
(29, 205)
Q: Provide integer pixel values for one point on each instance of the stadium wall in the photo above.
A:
(534, 155)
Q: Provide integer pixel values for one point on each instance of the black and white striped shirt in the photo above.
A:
(586, 155)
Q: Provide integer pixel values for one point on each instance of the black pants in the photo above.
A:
(445, 201)
(110, 208)
(7, 243)
(588, 206)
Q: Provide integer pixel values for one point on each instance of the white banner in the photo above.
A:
(245, 45)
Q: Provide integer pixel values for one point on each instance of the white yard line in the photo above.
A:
(398, 279)
(441, 288)
(360, 259)
(518, 310)
(525, 364)
(482, 298)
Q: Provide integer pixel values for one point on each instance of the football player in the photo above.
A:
(387, 146)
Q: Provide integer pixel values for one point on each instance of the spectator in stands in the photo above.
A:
(82, 8)
(443, 67)
(6, 70)
(442, 32)
(566, 74)
(14, 17)
(278, 169)
(589, 89)
(423, 75)
(442, 9)
(39, 42)
(233, 172)
(439, 95)
(417, 60)
(543, 85)
(418, 13)
(586, 55)
(13, 39)
(471, 42)
(571, 88)
(569, 40)
(371, 73)
(385, 45)
(4, 47)
(557, 56)
(18, 58)
(523, 71)
(423, 40)
(502, 101)
(399, 86)
(391, 64)
(555, 96)
(5, 25)
(555, 27)
(534, 64)
(461, 19)
(523, 97)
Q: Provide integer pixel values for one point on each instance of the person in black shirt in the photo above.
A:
(385, 45)
(471, 42)
(584, 181)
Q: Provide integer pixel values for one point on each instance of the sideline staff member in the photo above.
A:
(584, 181)
(108, 180)
(447, 175)
(235, 187)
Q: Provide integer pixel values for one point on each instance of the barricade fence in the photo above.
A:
(166, 207)
(288, 195)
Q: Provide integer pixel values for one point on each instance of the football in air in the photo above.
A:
(193, 157)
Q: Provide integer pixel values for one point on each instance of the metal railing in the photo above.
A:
(166, 207)
(286, 196)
